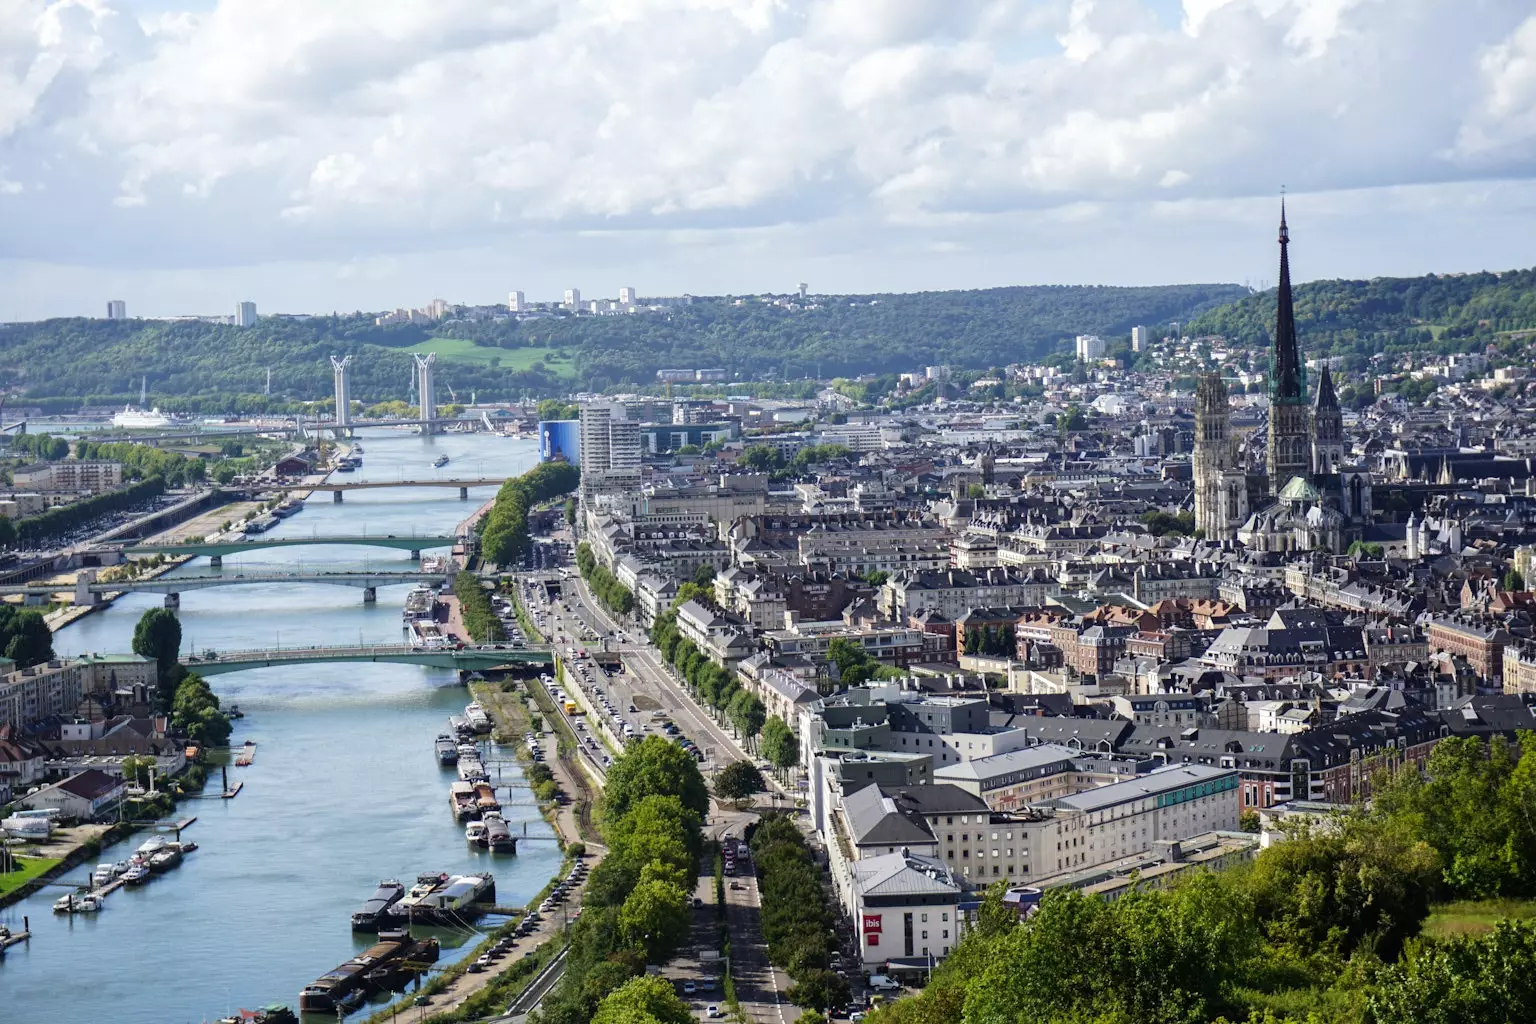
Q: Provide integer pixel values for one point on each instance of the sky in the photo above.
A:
(319, 155)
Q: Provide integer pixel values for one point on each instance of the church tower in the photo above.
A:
(1289, 446)
(1221, 486)
(1327, 428)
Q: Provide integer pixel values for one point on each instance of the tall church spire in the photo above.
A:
(1287, 378)
(1290, 439)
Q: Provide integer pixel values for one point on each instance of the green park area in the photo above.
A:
(28, 868)
(557, 361)
(1474, 917)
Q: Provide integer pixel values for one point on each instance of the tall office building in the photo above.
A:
(1140, 337)
(117, 309)
(610, 450)
(245, 314)
(1090, 347)
(573, 298)
(626, 296)
(515, 302)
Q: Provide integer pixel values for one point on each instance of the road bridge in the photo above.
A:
(88, 590)
(338, 488)
(217, 550)
(471, 658)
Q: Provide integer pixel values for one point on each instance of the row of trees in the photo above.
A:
(504, 530)
(636, 909)
(710, 683)
(475, 609)
(141, 461)
(767, 459)
(796, 921)
(614, 595)
(992, 641)
(47, 525)
(1323, 927)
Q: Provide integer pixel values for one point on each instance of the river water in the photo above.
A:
(345, 789)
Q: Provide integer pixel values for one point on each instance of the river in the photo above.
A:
(345, 789)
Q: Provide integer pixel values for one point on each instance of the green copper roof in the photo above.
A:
(1299, 489)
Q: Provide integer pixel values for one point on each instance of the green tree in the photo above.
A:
(643, 1000)
(819, 989)
(779, 744)
(31, 641)
(739, 780)
(1480, 980)
(158, 637)
(656, 918)
(7, 532)
(654, 766)
(1513, 581)
(761, 458)
(704, 576)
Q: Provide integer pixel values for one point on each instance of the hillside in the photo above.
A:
(1356, 319)
(101, 361)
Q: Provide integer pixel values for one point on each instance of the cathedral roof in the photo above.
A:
(1300, 489)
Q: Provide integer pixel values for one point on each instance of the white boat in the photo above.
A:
(135, 418)
(102, 875)
(152, 846)
(27, 827)
(474, 833)
(137, 874)
(77, 903)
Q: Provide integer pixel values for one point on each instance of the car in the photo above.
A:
(707, 985)
(689, 988)
(476, 967)
(737, 885)
(713, 1012)
(634, 710)
(697, 903)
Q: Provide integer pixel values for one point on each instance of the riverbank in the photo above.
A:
(458, 994)
(82, 843)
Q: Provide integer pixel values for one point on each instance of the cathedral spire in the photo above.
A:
(1287, 379)
(1327, 399)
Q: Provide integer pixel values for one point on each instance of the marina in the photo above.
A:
(348, 789)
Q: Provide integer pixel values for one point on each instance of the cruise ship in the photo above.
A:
(138, 418)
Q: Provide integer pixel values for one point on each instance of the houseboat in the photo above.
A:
(367, 918)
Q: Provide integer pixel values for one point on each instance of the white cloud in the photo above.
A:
(274, 130)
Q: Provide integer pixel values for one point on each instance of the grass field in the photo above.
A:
(31, 867)
(557, 361)
(1474, 917)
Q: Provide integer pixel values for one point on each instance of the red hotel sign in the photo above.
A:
(871, 922)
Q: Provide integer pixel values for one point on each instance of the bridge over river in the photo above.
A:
(88, 590)
(218, 549)
(470, 658)
(340, 487)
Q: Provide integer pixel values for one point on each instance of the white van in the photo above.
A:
(883, 983)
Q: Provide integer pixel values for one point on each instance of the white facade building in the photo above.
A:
(1090, 347)
(515, 302)
(117, 309)
(573, 298)
(245, 314)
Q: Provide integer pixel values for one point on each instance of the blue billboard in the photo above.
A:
(560, 439)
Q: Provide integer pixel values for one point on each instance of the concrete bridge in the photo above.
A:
(472, 658)
(88, 590)
(217, 551)
(338, 488)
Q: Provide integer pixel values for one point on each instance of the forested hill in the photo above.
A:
(843, 335)
(849, 335)
(1459, 312)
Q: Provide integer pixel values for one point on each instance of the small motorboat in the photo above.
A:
(164, 860)
(137, 874)
(77, 903)
(188, 847)
(102, 875)
(153, 845)
(474, 833)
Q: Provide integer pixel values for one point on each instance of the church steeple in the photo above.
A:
(1287, 377)
(1288, 453)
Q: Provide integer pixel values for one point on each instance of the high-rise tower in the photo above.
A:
(341, 371)
(1221, 485)
(1327, 427)
(1288, 452)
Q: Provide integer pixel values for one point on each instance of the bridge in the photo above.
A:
(338, 488)
(216, 551)
(88, 590)
(471, 658)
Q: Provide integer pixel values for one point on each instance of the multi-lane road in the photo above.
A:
(647, 685)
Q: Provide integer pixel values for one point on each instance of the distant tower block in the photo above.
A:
(425, 393)
(340, 368)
